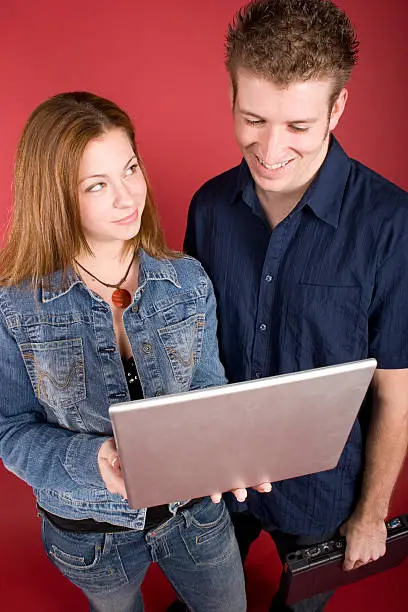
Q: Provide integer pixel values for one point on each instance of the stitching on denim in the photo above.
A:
(41, 375)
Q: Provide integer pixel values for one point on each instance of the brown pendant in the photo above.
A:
(121, 298)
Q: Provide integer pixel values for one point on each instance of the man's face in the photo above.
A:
(283, 133)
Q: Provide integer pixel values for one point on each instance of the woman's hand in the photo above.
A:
(241, 494)
(109, 467)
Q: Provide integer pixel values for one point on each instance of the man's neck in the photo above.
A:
(277, 206)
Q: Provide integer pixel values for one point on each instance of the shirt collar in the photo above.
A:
(325, 194)
(150, 269)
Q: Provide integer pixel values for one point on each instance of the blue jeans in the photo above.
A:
(196, 550)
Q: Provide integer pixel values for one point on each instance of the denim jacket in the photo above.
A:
(60, 371)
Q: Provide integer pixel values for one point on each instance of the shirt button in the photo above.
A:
(262, 327)
(135, 308)
(268, 278)
(147, 348)
(159, 393)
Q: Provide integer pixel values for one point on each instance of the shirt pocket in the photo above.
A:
(324, 322)
(56, 370)
(183, 343)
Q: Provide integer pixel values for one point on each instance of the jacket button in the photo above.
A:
(106, 349)
(159, 393)
(120, 395)
(99, 308)
(147, 348)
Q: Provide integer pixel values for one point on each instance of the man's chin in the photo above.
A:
(273, 186)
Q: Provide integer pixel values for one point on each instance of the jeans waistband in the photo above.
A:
(155, 516)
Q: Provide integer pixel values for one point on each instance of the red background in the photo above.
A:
(163, 62)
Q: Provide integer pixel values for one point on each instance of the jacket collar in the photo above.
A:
(150, 269)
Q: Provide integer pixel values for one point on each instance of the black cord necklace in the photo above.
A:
(120, 297)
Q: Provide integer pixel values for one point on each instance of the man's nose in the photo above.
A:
(271, 144)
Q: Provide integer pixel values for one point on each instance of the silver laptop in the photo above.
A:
(193, 444)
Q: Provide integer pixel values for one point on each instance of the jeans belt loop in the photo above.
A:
(187, 516)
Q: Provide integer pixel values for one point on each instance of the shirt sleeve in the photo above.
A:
(190, 238)
(44, 455)
(388, 313)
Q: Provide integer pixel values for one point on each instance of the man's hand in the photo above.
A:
(241, 494)
(109, 467)
(386, 447)
(365, 540)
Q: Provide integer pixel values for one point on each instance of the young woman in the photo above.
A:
(95, 309)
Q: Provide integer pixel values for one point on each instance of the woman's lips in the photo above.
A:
(129, 219)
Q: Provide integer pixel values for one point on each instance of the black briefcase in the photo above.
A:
(319, 568)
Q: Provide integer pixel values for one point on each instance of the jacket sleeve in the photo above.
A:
(209, 372)
(42, 454)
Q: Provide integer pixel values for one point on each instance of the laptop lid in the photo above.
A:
(197, 443)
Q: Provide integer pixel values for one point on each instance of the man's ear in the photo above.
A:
(338, 108)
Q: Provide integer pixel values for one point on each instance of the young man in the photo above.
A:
(308, 253)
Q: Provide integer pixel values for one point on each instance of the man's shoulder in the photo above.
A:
(378, 192)
(378, 211)
(219, 189)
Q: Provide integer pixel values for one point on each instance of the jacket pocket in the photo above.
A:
(56, 370)
(183, 343)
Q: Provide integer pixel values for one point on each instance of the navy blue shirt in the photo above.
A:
(328, 285)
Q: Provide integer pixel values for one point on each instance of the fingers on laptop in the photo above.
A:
(265, 487)
(241, 494)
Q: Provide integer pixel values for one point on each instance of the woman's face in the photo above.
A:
(111, 189)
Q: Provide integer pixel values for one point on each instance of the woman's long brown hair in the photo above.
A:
(45, 233)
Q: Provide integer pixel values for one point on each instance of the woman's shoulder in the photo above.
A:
(22, 291)
(186, 262)
(16, 299)
(189, 269)
(183, 271)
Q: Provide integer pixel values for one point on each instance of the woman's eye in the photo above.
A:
(132, 169)
(95, 188)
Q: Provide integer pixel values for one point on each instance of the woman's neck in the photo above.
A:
(108, 262)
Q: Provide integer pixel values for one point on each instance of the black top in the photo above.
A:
(132, 379)
(328, 285)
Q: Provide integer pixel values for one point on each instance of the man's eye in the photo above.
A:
(95, 188)
(297, 128)
(253, 122)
